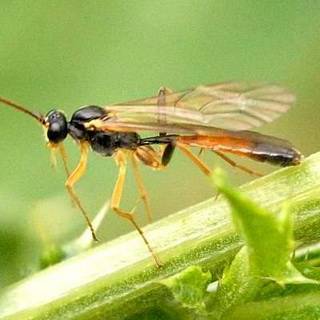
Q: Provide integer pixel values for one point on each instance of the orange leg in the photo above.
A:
(141, 188)
(196, 160)
(64, 158)
(53, 157)
(234, 164)
(74, 177)
(156, 159)
(116, 199)
(54, 147)
(148, 156)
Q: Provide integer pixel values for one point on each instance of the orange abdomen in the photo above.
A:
(248, 144)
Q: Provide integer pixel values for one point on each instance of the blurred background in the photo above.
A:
(67, 54)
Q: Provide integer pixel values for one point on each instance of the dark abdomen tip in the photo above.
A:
(279, 155)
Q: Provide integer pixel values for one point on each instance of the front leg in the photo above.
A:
(74, 177)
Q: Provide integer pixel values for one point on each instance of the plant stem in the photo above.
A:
(118, 279)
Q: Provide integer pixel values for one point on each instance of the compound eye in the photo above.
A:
(57, 132)
(57, 126)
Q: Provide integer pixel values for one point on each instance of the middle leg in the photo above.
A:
(116, 199)
(141, 188)
(155, 159)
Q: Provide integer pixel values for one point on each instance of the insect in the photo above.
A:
(212, 117)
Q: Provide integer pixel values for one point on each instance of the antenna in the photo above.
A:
(18, 107)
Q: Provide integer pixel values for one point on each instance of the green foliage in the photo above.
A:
(294, 307)
(263, 280)
(265, 258)
(189, 287)
(51, 255)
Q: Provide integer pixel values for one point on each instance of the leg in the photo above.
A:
(58, 147)
(74, 177)
(53, 157)
(234, 164)
(196, 160)
(203, 167)
(167, 153)
(148, 156)
(141, 188)
(64, 158)
(116, 199)
(151, 158)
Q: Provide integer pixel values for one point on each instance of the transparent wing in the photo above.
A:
(231, 106)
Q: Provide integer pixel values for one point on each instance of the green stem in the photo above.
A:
(118, 279)
(305, 305)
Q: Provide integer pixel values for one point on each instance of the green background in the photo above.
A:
(70, 53)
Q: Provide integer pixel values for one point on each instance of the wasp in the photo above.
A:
(211, 117)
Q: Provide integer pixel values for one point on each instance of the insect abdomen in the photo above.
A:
(274, 154)
(248, 144)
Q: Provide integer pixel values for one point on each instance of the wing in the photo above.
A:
(231, 106)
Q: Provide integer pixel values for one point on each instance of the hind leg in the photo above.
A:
(195, 159)
(234, 164)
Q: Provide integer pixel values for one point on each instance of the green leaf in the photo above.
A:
(189, 287)
(268, 236)
(237, 285)
(51, 255)
(266, 255)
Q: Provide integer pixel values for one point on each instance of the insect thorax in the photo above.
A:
(102, 142)
(106, 143)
